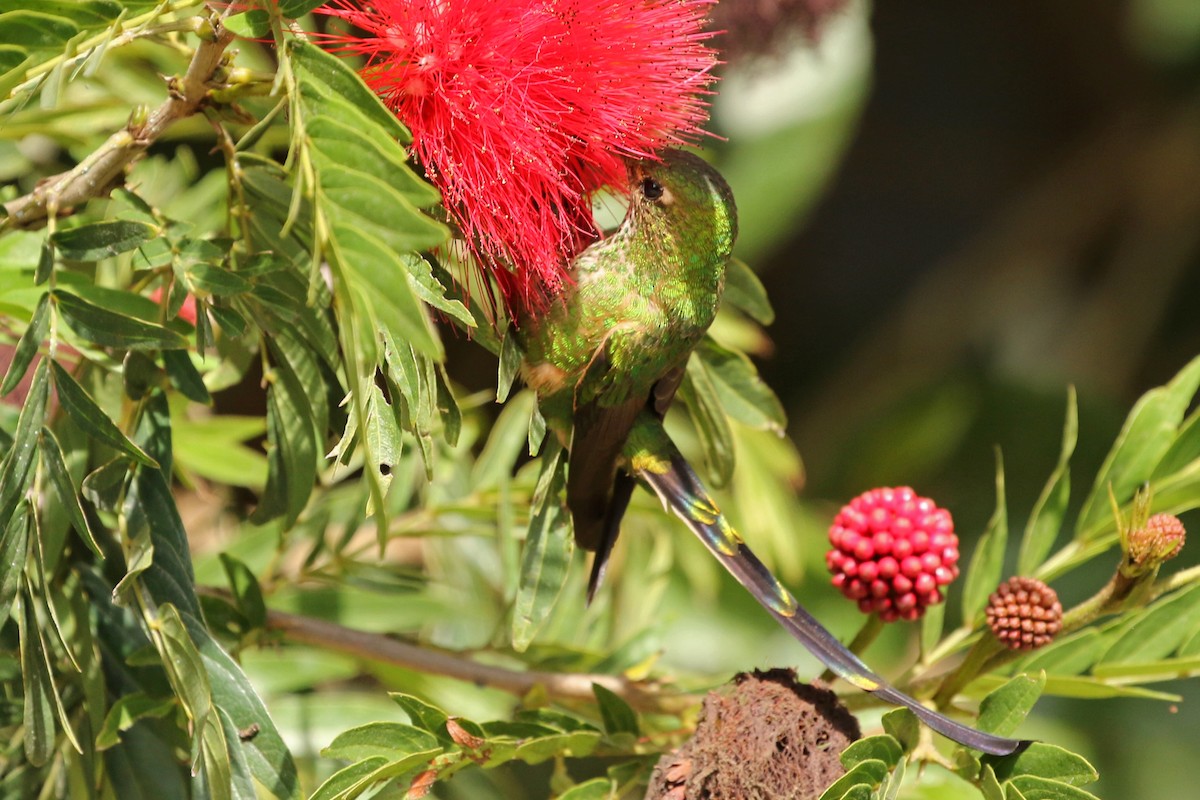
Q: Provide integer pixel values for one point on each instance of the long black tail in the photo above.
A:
(654, 459)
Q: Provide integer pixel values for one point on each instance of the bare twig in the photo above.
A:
(101, 169)
(377, 647)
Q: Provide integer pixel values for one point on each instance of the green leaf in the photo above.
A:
(184, 376)
(64, 489)
(989, 785)
(1158, 631)
(546, 560)
(595, 789)
(868, 774)
(110, 329)
(987, 562)
(699, 394)
(616, 714)
(153, 520)
(1145, 671)
(85, 13)
(38, 686)
(246, 590)
(882, 748)
(27, 346)
(126, 711)
(216, 280)
(91, 420)
(15, 472)
(242, 781)
(185, 670)
(1047, 761)
(335, 79)
(505, 443)
(744, 395)
(1069, 655)
(35, 30)
(45, 264)
(381, 289)
(266, 754)
(510, 364)
(297, 8)
(448, 408)
(253, 24)
(902, 725)
(14, 553)
(340, 783)
(101, 239)
(421, 714)
(1002, 711)
(932, 624)
(292, 450)
(745, 292)
(1034, 788)
(576, 744)
(145, 767)
(392, 740)
(1145, 438)
(1045, 521)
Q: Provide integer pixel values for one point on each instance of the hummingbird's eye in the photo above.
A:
(651, 189)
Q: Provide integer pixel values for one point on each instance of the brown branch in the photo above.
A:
(377, 647)
(97, 173)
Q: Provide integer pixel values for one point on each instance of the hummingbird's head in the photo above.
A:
(681, 191)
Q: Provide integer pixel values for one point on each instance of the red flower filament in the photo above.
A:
(521, 109)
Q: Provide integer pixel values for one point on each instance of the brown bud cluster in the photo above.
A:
(1024, 613)
(1159, 540)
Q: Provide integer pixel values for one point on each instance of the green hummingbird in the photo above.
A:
(606, 359)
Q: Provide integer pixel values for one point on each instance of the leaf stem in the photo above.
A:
(376, 647)
(100, 170)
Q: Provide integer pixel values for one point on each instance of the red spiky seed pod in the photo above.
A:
(1024, 613)
(893, 552)
(1159, 540)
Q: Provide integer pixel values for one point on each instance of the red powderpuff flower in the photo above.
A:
(892, 552)
(521, 109)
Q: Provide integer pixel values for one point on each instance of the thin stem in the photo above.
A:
(979, 655)
(376, 647)
(1177, 581)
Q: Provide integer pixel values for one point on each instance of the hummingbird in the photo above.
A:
(606, 359)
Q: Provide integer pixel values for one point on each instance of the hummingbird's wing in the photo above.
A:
(604, 413)
(657, 463)
(623, 482)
